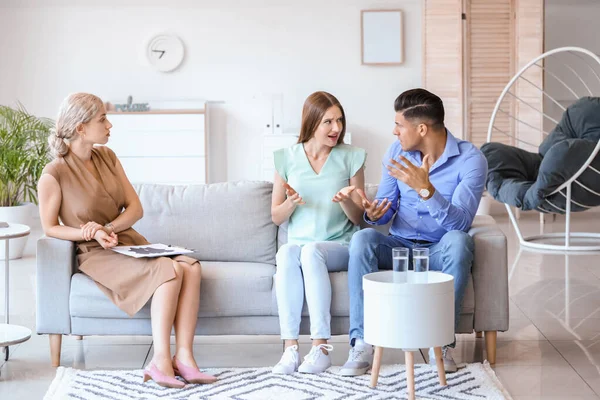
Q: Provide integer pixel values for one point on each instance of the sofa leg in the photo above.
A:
(55, 344)
(479, 335)
(490, 346)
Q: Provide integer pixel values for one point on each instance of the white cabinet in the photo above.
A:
(276, 142)
(167, 147)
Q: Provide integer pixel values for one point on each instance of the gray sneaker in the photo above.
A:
(449, 364)
(359, 361)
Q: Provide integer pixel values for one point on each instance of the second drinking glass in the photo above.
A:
(421, 264)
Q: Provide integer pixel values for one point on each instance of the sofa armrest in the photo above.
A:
(490, 275)
(55, 265)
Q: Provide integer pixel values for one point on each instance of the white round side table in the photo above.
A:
(11, 334)
(408, 311)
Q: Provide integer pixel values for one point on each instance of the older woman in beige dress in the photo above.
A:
(86, 188)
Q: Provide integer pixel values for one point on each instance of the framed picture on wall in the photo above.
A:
(381, 37)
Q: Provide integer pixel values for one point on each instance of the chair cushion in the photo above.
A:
(581, 120)
(561, 162)
(527, 180)
(228, 289)
(511, 172)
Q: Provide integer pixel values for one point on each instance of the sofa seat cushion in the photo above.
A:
(228, 289)
(236, 289)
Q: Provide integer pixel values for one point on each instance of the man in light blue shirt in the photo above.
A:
(430, 188)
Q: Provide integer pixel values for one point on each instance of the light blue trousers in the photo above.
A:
(305, 270)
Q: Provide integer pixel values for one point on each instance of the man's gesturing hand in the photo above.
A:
(415, 177)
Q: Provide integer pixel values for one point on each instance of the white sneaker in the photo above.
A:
(289, 361)
(360, 359)
(449, 364)
(316, 361)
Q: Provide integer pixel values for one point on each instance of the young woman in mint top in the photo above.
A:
(315, 191)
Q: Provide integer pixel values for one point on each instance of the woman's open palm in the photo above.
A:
(292, 195)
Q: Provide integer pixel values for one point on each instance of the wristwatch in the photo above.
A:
(426, 193)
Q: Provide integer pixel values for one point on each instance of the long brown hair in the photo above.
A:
(315, 107)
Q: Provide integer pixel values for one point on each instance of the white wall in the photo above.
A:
(237, 51)
(571, 23)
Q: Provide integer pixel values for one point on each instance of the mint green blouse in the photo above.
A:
(320, 219)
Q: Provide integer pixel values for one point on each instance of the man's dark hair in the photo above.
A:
(419, 104)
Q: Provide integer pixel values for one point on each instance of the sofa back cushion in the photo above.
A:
(228, 221)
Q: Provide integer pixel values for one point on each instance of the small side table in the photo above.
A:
(409, 311)
(11, 334)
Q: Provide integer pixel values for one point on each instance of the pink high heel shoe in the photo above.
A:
(153, 373)
(190, 374)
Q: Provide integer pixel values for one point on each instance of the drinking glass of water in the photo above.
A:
(421, 263)
(400, 263)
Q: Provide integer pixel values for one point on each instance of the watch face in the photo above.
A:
(165, 52)
(424, 192)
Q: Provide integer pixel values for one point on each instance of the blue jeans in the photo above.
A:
(371, 251)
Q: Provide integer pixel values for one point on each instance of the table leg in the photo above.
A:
(7, 257)
(376, 365)
(440, 365)
(409, 360)
(6, 353)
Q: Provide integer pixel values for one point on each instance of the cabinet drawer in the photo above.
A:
(155, 143)
(165, 170)
(156, 122)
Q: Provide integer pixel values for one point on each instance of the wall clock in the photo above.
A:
(165, 52)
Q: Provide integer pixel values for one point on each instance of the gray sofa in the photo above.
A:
(229, 225)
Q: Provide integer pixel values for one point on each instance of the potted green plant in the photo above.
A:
(23, 154)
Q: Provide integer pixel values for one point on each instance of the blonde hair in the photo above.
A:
(77, 108)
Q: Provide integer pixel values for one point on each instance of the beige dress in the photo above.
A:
(129, 282)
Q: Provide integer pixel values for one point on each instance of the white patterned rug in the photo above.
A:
(475, 381)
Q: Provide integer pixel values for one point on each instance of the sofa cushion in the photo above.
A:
(236, 289)
(228, 221)
(228, 289)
